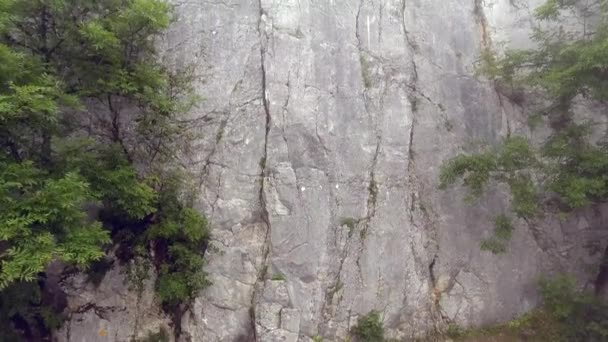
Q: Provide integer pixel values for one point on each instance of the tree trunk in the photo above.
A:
(601, 281)
(45, 150)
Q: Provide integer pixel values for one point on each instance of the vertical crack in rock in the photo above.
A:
(432, 271)
(482, 21)
(372, 189)
(413, 85)
(600, 283)
(326, 150)
(502, 107)
(486, 43)
(412, 45)
(206, 169)
(410, 168)
(373, 185)
(284, 112)
(285, 108)
(372, 198)
(68, 330)
(217, 194)
(265, 216)
(336, 285)
(362, 60)
(417, 206)
(219, 135)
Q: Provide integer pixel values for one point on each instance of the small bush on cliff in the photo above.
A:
(502, 233)
(369, 328)
(89, 129)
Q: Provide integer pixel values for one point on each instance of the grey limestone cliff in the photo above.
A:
(325, 123)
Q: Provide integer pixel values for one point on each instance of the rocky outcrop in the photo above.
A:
(322, 131)
(121, 307)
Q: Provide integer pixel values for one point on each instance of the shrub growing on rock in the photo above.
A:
(369, 328)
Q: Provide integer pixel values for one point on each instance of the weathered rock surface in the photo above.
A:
(120, 309)
(325, 123)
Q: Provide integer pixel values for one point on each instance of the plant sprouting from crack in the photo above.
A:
(366, 72)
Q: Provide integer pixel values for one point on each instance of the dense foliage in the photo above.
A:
(89, 126)
(570, 169)
(369, 328)
(25, 312)
(580, 316)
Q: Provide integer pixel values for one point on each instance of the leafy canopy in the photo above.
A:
(89, 129)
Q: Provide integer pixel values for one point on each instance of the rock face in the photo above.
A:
(121, 308)
(324, 125)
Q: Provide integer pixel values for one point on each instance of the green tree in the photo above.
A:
(569, 170)
(91, 118)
